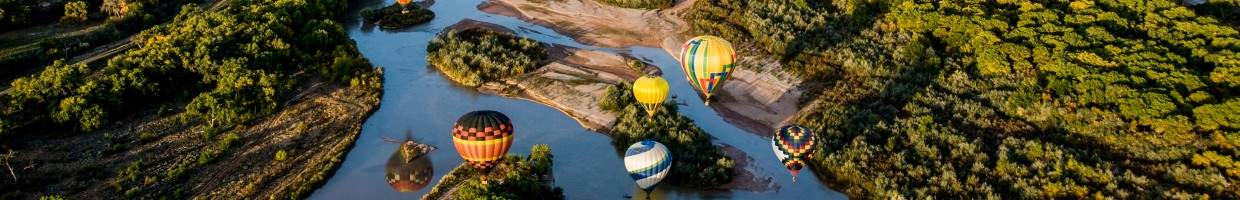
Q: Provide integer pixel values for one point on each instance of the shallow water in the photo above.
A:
(418, 100)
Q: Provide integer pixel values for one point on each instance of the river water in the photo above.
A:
(420, 101)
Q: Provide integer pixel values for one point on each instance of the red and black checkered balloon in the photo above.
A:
(482, 137)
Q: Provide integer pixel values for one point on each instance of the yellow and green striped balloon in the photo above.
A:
(650, 91)
(707, 62)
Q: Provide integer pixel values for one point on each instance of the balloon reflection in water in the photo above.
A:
(409, 168)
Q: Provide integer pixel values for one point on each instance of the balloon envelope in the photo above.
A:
(707, 62)
(647, 162)
(408, 176)
(793, 145)
(403, 2)
(482, 137)
(650, 91)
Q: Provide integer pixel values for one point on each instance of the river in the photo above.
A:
(420, 101)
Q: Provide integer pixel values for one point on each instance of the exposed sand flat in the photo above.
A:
(767, 97)
(572, 84)
(593, 23)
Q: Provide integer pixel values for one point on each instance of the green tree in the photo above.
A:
(75, 12)
(475, 56)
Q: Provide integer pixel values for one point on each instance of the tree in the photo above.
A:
(115, 8)
(475, 56)
(75, 12)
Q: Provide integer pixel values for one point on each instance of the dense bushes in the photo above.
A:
(514, 178)
(643, 4)
(699, 163)
(476, 55)
(1106, 98)
(396, 16)
(16, 14)
(75, 12)
(232, 66)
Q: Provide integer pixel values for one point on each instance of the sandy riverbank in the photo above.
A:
(758, 98)
(593, 23)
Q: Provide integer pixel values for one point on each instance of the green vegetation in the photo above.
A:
(231, 66)
(477, 55)
(21, 54)
(642, 4)
(699, 163)
(1007, 99)
(217, 70)
(52, 197)
(16, 14)
(396, 16)
(75, 12)
(281, 155)
(514, 178)
(1225, 10)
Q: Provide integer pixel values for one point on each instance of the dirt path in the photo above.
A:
(27, 35)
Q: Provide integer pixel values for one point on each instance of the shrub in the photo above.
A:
(642, 4)
(75, 12)
(281, 155)
(476, 55)
(522, 178)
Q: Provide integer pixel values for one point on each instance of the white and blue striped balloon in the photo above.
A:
(647, 162)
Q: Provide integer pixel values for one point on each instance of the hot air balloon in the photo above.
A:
(650, 91)
(707, 62)
(404, 5)
(408, 175)
(793, 145)
(482, 137)
(647, 162)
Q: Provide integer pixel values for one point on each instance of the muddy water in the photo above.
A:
(422, 102)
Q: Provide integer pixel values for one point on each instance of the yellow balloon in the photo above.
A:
(650, 91)
(707, 62)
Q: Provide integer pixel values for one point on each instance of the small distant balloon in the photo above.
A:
(647, 162)
(650, 91)
(707, 62)
(793, 145)
(482, 138)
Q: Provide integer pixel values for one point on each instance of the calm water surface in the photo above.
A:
(418, 100)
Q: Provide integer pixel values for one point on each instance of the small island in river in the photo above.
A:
(515, 177)
(398, 16)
